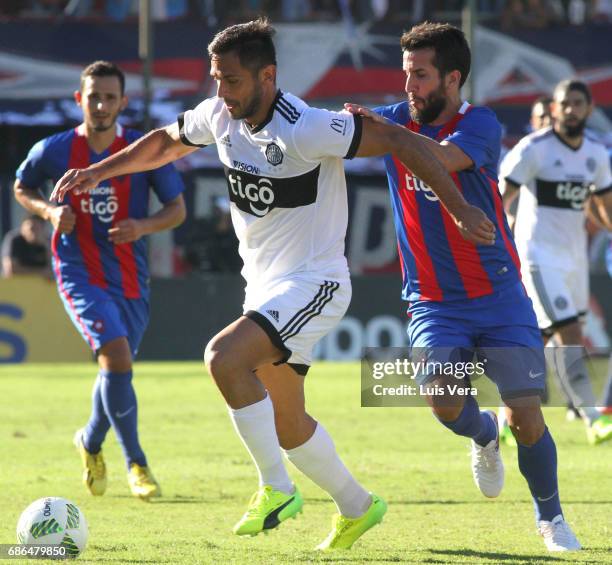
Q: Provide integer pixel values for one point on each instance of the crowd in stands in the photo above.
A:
(508, 13)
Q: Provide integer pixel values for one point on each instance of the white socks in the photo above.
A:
(318, 460)
(255, 426)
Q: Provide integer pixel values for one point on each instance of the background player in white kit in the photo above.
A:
(283, 163)
(558, 171)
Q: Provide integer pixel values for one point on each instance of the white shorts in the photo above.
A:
(559, 296)
(298, 312)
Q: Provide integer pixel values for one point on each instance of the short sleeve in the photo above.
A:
(519, 165)
(603, 176)
(167, 183)
(195, 125)
(478, 135)
(32, 172)
(322, 133)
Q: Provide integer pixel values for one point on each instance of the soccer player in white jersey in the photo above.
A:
(558, 170)
(283, 163)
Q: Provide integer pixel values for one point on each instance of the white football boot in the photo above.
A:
(487, 464)
(558, 535)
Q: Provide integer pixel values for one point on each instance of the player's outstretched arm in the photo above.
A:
(157, 148)
(381, 138)
(450, 156)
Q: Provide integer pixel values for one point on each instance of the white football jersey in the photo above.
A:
(286, 183)
(555, 180)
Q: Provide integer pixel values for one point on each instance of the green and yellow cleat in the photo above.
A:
(142, 482)
(94, 468)
(346, 531)
(267, 509)
(506, 436)
(600, 430)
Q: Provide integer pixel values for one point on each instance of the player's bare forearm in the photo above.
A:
(172, 214)
(599, 210)
(510, 192)
(157, 148)
(32, 200)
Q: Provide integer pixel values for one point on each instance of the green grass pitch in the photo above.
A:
(436, 515)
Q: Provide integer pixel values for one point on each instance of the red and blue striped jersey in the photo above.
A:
(437, 263)
(86, 255)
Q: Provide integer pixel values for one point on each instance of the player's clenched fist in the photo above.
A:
(126, 231)
(77, 180)
(63, 219)
(475, 226)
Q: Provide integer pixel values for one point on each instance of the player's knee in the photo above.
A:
(446, 413)
(218, 361)
(115, 356)
(527, 425)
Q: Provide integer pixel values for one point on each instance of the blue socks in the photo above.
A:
(538, 464)
(98, 425)
(473, 423)
(119, 400)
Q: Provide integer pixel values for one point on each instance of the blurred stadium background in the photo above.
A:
(330, 51)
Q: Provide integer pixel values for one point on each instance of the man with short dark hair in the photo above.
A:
(559, 172)
(468, 299)
(283, 165)
(540, 113)
(25, 250)
(100, 262)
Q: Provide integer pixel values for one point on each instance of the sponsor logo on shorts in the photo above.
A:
(561, 302)
(533, 375)
(98, 326)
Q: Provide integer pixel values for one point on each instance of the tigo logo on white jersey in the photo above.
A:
(575, 194)
(416, 184)
(260, 196)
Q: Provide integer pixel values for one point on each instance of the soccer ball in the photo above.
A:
(53, 521)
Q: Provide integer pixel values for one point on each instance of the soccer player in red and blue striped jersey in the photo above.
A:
(100, 261)
(468, 299)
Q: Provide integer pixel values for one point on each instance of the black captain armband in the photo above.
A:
(352, 150)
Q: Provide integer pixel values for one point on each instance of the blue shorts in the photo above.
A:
(100, 316)
(501, 328)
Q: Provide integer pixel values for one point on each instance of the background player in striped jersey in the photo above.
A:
(558, 171)
(465, 298)
(283, 164)
(100, 261)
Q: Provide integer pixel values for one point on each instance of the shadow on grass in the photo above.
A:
(408, 502)
(497, 557)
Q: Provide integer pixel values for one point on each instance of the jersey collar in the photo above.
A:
(561, 140)
(270, 115)
(118, 130)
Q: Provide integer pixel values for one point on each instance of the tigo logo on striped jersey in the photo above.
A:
(105, 210)
(416, 184)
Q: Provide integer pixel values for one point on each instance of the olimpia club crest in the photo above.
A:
(274, 155)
